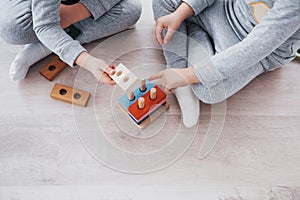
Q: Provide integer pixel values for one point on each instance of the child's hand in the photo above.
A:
(102, 75)
(98, 67)
(171, 78)
(169, 22)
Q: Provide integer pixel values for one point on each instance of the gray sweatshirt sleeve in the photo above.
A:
(46, 24)
(198, 5)
(99, 7)
(282, 22)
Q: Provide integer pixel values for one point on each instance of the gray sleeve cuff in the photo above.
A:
(197, 5)
(70, 52)
(207, 73)
(95, 7)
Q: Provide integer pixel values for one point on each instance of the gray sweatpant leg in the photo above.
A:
(175, 57)
(226, 88)
(16, 26)
(214, 35)
(121, 17)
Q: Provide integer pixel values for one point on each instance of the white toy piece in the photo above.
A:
(125, 78)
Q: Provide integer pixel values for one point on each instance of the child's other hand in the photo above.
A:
(169, 22)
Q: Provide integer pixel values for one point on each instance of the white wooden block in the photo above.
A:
(125, 78)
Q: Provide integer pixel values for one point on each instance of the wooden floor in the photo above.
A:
(41, 156)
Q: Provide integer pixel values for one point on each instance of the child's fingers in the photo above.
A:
(158, 32)
(106, 80)
(166, 89)
(109, 70)
(168, 36)
(156, 76)
(154, 36)
(103, 77)
(111, 82)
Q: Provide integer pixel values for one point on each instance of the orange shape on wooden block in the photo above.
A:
(53, 68)
(70, 95)
(138, 113)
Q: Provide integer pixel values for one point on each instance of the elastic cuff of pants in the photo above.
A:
(71, 52)
(95, 7)
(207, 74)
(196, 5)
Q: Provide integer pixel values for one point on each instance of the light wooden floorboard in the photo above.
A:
(41, 156)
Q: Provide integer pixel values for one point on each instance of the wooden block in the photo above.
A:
(127, 80)
(150, 105)
(70, 95)
(155, 108)
(53, 68)
(153, 116)
(124, 102)
(150, 118)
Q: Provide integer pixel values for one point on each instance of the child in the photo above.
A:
(39, 24)
(241, 38)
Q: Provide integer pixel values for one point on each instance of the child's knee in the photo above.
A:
(8, 31)
(209, 95)
(132, 9)
(14, 32)
(160, 7)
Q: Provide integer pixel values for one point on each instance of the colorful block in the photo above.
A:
(125, 102)
(151, 107)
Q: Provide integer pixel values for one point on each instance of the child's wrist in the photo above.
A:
(183, 12)
(81, 60)
(178, 17)
(191, 76)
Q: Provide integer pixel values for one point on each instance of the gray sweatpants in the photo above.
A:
(212, 31)
(16, 24)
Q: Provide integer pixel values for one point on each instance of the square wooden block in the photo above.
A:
(53, 68)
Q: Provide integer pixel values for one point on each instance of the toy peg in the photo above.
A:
(131, 96)
(141, 103)
(153, 93)
(143, 85)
